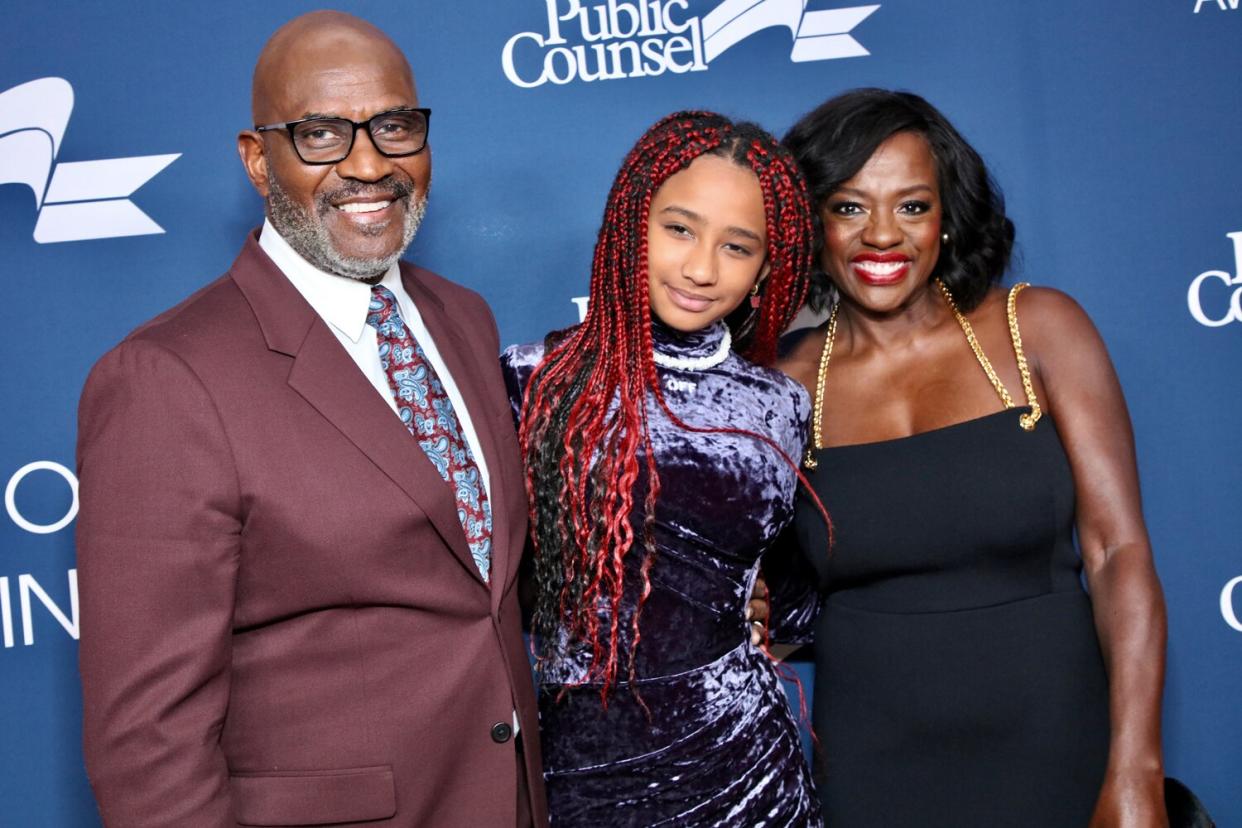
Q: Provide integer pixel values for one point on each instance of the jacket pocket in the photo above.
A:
(320, 797)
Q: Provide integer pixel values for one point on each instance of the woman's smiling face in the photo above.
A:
(882, 227)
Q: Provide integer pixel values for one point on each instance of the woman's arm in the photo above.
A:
(1085, 399)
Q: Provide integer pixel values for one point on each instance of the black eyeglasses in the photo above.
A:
(395, 134)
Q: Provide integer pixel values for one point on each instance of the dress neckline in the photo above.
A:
(951, 427)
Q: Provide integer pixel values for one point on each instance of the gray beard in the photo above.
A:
(305, 232)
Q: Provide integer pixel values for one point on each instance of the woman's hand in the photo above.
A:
(757, 611)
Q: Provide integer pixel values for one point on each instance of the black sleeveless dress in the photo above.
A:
(958, 680)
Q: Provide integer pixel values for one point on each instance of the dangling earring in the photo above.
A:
(944, 238)
(747, 325)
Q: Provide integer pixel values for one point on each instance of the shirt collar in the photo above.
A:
(340, 301)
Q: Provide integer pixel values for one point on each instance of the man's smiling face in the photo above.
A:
(355, 217)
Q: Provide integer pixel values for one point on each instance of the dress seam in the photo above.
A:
(829, 602)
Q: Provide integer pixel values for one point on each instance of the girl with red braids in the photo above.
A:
(657, 452)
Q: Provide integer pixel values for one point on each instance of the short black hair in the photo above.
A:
(833, 142)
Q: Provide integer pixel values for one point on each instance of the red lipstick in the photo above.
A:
(880, 268)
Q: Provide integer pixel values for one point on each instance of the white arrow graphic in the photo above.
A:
(83, 199)
(818, 35)
(25, 158)
(39, 104)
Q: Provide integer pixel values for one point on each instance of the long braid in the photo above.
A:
(585, 413)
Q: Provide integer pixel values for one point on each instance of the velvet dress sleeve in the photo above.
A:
(517, 363)
(793, 595)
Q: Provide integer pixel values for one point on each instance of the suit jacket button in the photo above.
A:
(501, 732)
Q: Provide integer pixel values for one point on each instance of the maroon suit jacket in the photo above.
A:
(281, 621)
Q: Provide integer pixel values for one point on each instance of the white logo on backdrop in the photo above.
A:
(28, 591)
(1226, 604)
(1232, 306)
(580, 302)
(76, 200)
(10, 497)
(642, 38)
(1223, 5)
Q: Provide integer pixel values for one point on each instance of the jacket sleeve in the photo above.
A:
(158, 538)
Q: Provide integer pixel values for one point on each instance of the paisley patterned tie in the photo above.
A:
(428, 413)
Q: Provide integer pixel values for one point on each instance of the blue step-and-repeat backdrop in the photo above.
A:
(1114, 128)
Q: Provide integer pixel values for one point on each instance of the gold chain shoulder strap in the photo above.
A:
(817, 405)
(1027, 421)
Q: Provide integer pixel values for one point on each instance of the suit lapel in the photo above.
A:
(476, 374)
(329, 380)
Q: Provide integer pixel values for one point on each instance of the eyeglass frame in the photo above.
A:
(288, 126)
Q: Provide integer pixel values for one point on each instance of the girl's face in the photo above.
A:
(707, 243)
(882, 227)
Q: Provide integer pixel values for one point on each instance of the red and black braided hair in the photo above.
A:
(584, 416)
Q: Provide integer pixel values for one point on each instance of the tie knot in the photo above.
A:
(383, 308)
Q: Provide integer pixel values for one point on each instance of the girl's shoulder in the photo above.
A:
(521, 357)
(784, 390)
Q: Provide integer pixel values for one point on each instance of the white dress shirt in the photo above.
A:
(343, 303)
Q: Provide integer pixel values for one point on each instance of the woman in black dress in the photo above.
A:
(963, 676)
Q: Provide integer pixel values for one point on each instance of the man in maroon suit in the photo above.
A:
(302, 504)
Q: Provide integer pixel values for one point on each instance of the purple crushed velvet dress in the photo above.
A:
(721, 747)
